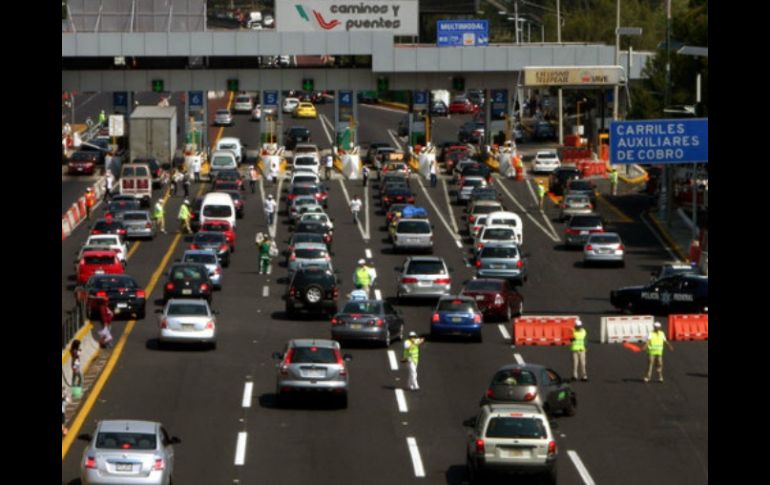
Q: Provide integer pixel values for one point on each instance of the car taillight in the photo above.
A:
(336, 292)
(435, 317)
(335, 321)
(101, 294)
(327, 238)
(386, 199)
(169, 286)
(210, 325)
(571, 231)
(293, 257)
(148, 225)
(408, 280)
(291, 249)
(223, 247)
(164, 323)
(590, 206)
(477, 318)
(340, 362)
(194, 246)
(530, 396)
(601, 229)
(588, 247)
(471, 218)
(480, 446)
(159, 464)
(621, 248)
(519, 264)
(291, 197)
(122, 232)
(551, 448)
(95, 231)
(140, 294)
(204, 286)
(490, 392)
(90, 462)
(499, 300)
(478, 263)
(410, 200)
(292, 291)
(443, 281)
(480, 246)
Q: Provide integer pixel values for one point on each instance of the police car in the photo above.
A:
(681, 293)
(670, 269)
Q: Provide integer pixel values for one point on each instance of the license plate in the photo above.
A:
(356, 326)
(513, 452)
(583, 233)
(188, 326)
(457, 319)
(121, 305)
(314, 374)
(497, 266)
(124, 467)
(479, 297)
(187, 292)
(80, 169)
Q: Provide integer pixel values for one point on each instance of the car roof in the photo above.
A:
(208, 251)
(188, 301)
(229, 139)
(490, 203)
(514, 408)
(309, 245)
(306, 342)
(546, 152)
(456, 297)
(122, 425)
(425, 258)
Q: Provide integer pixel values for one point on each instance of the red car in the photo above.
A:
(98, 261)
(462, 106)
(495, 298)
(224, 227)
(82, 162)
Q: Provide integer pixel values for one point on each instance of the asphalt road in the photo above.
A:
(624, 431)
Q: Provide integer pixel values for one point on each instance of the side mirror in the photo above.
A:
(347, 357)
(175, 440)
(277, 355)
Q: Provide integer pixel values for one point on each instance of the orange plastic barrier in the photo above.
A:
(543, 330)
(688, 327)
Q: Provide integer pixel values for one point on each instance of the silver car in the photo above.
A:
(139, 224)
(300, 200)
(424, 277)
(502, 262)
(187, 321)
(494, 235)
(469, 183)
(308, 254)
(208, 258)
(128, 452)
(574, 204)
(580, 226)
(223, 117)
(605, 247)
(413, 234)
(375, 320)
(312, 365)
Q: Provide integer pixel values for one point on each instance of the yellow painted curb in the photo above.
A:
(667, 237)
(65, 355)
(388, 104)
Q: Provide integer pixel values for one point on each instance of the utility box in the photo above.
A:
(153, 133)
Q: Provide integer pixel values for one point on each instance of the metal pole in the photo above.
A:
(667, 176)
(615, 89)
(694, 202)
(516, 16)
(529, 32)
(542, 33)
(558, 39)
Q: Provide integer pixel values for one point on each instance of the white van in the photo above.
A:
(233, 144)
(222, 160)
(218, 206)
(505, 218)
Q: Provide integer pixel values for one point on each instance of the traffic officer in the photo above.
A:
(412, 358)
(654, 347)
(613, 176)
(270, 207)
(184, 217)
(159, 214)
(264, 255)
(102, 117)
(578, 349)
(541, 193)
(362, 276)
(253, 177)
(90, 201)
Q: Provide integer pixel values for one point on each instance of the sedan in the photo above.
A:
(305, 110)
(223, 117)
(82, 162)
(112, 227)
(423, 277)
(216, 241)
(308, 254)
(438, 108)
(467, 185)
(559, 178)
(139, 224)
(290, 104)
(304, 237)
(502, 262)
(495, 298)
(456, 315)
(582, 187)
(580, 227)
(208, 258)
(682, 293)
(604, 247)
(546, 161)
(368, 320)
(116, 208)
(397, 194)
(98, 261)
(124, 295)
(188, 280)
(317, 228)
(220, 226)
(187, 321)
(256, 113)
(532, 383)
(312, 365)
(462, 105)
(574, 204)
(124, 451)
(321, 217)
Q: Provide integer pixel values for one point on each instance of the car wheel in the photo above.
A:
(313, 294)
(571, 408)
(140, 315)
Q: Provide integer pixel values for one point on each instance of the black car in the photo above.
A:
(471, 132)
(237, 201)
(229, 176)
(188, 280)
(438, 108)
(317, 97)
(582, 187)
(367, 97)
(312, 289)
(316, 227)
(124, 295)
(682, 293)
(317, 191)
(369, 320)
(294, 135)
(195, 214)
(544, 131)
(397, 194)
(213, 240)
(561, 176)
(113, 227)
(476, 169)
(392, 183)
(484, 193)
(671, 269)
(372, 150)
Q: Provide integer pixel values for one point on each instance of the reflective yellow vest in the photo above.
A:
(655, 343)
(412, 351)
(579, 342)
(363, 277)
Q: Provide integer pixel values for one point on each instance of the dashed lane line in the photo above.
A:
(526, 213)
(401, 400)
(392, 360)
(377, 294)
(240, 449)
(518, 358)
(581, 468)
(454, 235)
(368, 253)
(504, 332)
(414, 451)
(246, 402)
(265, 291)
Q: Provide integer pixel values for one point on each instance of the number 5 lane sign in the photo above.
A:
(659, 141)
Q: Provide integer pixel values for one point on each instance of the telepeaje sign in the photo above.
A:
(397, 16)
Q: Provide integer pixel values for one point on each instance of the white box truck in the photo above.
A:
(152, 133)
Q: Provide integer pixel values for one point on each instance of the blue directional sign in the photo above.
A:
(659, 141)
(270, 98)
(454, 33)
(499, 103)
(346, 98)
(420, 97)
(196, 98)
(120, 98)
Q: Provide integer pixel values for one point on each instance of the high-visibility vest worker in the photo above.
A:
(412, 351)
(614, 177)
(184, 213)
(362, 276)
(157, 211)
(578, 340)
(655, 342)
(90, 198)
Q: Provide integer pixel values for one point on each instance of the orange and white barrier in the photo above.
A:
(688, 327)
(543, 330)
(636, 328)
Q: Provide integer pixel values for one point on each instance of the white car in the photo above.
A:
(494, 236)
(108, 241)
(256, 113)
(187, 321)
(304, 177)
(506, 218)
(290, 104)
(307, 150)
(234, 145)
(223, 117)
(546, 161)
(318, 217)
(243, 103)
(306, 163)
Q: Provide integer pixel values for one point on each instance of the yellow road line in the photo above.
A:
(677, 249)
(623, 217)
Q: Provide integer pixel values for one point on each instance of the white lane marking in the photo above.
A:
(326, 131)
(377, 294)
(270, 269)
(325, 119)
(401, 401)
(240, 449)
(265, 291)
(526, 213)
(382, 108)
(449, 205)
(581, 468)
(392, 359)
(661, 241)
(274, 228)
(459, 244)
(367, 235)
(368, 253)
(537, 202)
(518, 358)
(395, 139)
(454, 235)
(247, 394)
(419, 471)
(504, 332)
(364, 236)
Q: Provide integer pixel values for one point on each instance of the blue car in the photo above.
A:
(456, 315)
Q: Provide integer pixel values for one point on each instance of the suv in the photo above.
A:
(559, 178)
(413, 233)
(312, 365)
(511, 438)
(424, 277)
(312, 289)
(294, 135)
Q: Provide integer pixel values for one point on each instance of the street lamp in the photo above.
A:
(627, 31)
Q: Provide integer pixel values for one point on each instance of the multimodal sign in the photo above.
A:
(659, 141)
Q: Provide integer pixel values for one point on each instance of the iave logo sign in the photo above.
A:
(319, 18)
(396, 16)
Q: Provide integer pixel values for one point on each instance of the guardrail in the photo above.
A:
(72, 322)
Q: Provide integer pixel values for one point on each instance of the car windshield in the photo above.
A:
(473, 182)
(305, 161)
(310, 253)
(413, 227)
(223, 112)
(504, 252)
(321, 276)
(300, 179)
(313, 355)
(209, 237)
(99, 259)
(84, 156)
(463, 306)
(221, 162)
(580, 185)
(126, 441)
(604, 239)
(135, 216)
(498, 234)
(484, 285)
(426, 267)
(576, 200)
(309, 226)
(298, 190)
(105, 226)
(222, 185)
(513, 427)
(186, 272)
(106, 282)
(122, 205)
(217, 211)
(485, 209)
(200, 258)
(515, 377)
(366, 307)
(504, 222)
(188, 309)
(307, 237)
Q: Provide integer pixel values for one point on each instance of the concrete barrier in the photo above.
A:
(626, 329)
